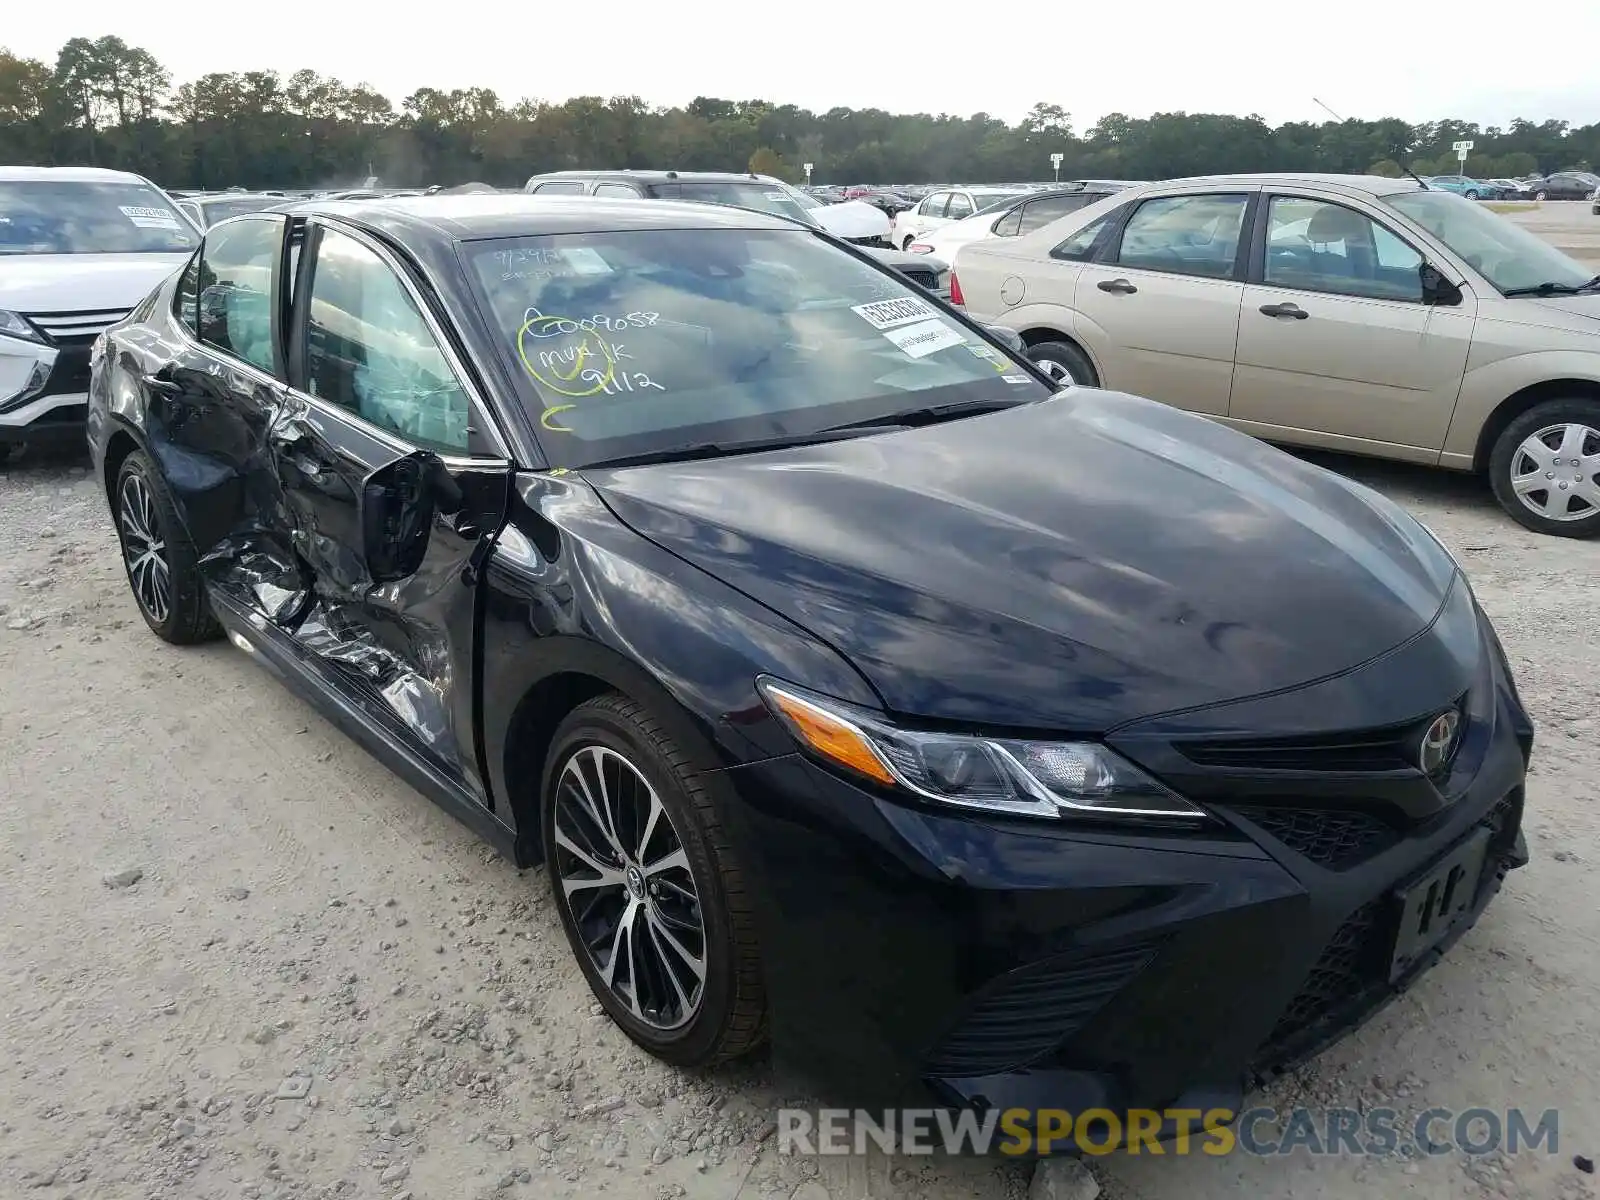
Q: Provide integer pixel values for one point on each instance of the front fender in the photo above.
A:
(570, 590)
(1486, 386)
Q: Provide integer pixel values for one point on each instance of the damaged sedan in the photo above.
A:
(856, 687)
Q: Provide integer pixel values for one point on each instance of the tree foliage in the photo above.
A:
(107, 103)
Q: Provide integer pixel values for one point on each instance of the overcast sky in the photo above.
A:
(1363, 58)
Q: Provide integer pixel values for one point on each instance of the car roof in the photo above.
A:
(1375, 185)
(69, 175)
(517, 214)
(659, 176)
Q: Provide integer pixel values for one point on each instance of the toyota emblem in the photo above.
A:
(1439, 742)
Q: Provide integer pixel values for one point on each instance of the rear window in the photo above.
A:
(639, 341)
(54, 217)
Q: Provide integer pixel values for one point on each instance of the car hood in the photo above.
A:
(1068, 565)
(81, 282)
(1586, 305)
(852, 219)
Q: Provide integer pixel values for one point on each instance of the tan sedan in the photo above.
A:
(1355, 313)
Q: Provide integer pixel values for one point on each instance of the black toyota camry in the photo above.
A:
(855, 687)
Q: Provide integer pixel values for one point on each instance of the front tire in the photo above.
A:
(1472, 194)
(1065, 363)
(1545, 468)
(159, 558)
(642, 873)
(1541, 195)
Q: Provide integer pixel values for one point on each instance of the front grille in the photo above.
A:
(1025, 1014)
(1333, 838)
(1350, 965)
(1351, 975)
(71, 372)
(923, 276)
(1389, 748)
(69, 328)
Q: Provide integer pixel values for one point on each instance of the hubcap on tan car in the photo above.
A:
(1553, 472)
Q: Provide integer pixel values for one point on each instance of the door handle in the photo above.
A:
(161, 387)
(1285, 310)
(1120, 286)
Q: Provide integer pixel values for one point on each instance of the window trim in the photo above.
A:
(177, 294)
(1257, 274)
(560, 187)
(922, 212)
(1110, 233)
(631, 191)
(279, 372)
(1014, 211)
(1108, 254)
(972, 206)
(487, 428)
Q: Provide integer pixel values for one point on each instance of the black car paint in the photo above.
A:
(883, 922)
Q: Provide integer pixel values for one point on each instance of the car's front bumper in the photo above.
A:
(918, 955)
(45, 419)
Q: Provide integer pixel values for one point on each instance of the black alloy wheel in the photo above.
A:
(162, 566)
(642, 876)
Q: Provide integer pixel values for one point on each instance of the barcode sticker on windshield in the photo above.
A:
(924, 338)
(886, 314)
(150, 218)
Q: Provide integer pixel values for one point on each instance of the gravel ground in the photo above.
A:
(241, 959)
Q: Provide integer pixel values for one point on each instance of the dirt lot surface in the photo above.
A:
(238, 958)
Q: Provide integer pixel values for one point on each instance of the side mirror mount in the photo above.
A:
(398, 505)
(1009, 338)
(1436, 289)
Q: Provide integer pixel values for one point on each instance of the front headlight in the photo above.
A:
(17, 326)
(999, 775)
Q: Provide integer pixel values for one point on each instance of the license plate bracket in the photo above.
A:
(1434, 903)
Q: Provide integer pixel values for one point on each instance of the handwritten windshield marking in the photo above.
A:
(586, 366)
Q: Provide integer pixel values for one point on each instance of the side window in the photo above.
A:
(1080, 246)
(1009, 225)
(185, 300)
(235, 288)
(568, 187)
(1186, 235)
(369, 349)
(933, 206)
(1039, 213)
(960, 206)
(1316, 246)
(616, 189)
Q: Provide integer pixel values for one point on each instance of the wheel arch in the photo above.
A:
(122, 442)
(578, 671)
(1036, 334)
(1519, 402)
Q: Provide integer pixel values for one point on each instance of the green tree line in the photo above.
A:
(105, 103)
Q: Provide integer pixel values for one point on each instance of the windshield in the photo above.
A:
(1505, 254)
(54, 217)
(763, 197)
(635, 342)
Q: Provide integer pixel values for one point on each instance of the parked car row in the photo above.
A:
(857, 685)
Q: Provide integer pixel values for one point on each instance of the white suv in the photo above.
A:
(79, 247)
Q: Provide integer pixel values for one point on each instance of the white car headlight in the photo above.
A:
(17, 326)
(1020, 777)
